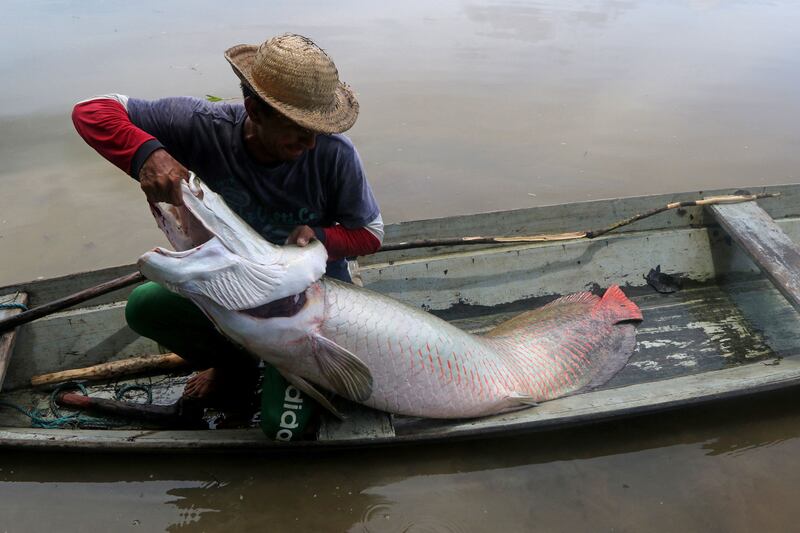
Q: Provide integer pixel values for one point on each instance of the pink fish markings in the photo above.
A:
(423, 366)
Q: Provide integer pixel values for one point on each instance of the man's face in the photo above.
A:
(281, 139)
(291, 139)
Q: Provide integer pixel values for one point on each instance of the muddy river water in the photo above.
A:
(466, 106)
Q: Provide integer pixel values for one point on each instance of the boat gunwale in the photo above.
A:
(784, 374)
(568, 213)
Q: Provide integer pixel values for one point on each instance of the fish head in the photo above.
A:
(220, 258)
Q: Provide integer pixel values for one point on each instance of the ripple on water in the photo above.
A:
(383, 518)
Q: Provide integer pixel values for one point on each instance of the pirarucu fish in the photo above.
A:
(273, 301)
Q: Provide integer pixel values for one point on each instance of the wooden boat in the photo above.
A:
(731, 329)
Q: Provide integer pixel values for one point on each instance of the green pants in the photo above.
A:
(177, 324)
(180, 326)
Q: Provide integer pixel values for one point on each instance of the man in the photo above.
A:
(276, 159)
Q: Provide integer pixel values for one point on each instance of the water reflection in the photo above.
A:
(541, 21)
(466, 106)
(684, 467)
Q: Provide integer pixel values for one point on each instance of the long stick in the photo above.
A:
(711, 200)
(68, 301)
(591, 234)
(112, 369)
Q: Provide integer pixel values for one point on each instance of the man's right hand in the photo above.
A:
(160, 178)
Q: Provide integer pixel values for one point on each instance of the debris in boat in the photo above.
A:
(662, 282)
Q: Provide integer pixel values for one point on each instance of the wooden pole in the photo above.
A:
(711, 200)
(68, 301)
(547, 237)
(457, 241)
(112, 370)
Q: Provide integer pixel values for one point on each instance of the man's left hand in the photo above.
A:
(301, 236)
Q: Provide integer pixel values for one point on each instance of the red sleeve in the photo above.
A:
(105, 126)
(343, 242)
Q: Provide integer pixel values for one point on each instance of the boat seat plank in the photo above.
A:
(766, 244)
(7, 340)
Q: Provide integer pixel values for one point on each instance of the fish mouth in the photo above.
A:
(183, 224)
(220, 257)
(204, 216)
(176, 255)
(174, 267)
(164, 256)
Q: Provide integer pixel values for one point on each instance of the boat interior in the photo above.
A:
(715, 325)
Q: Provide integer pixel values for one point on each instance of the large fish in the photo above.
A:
(274, 302)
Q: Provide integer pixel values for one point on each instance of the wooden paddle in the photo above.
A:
(68, 301)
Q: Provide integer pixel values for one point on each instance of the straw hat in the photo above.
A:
(296, 77)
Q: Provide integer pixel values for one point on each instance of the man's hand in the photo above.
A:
(160, 178)
(301, 236)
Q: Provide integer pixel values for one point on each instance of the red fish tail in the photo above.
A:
(620, 307)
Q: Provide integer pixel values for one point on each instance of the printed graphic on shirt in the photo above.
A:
(273, 224)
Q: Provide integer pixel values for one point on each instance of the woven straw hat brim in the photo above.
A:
(336, 118)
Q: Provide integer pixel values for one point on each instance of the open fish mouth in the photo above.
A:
(202, 217)
(177, 255)
(220, 257)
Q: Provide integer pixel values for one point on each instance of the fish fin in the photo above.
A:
(576, 297)
(306, 387)
(620, 306)
(524, 399)
(346, 373)
(241, 285)
(576, 303)
(620, 345)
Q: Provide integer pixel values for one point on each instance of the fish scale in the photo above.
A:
(421, 364)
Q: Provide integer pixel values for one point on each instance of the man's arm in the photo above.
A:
(360, 226)
(346, 242)
(104, 124)
(340, 241)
